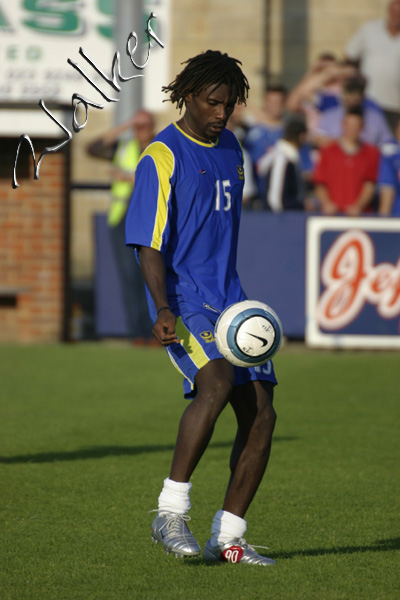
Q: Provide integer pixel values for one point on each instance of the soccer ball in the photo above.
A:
(248, 333)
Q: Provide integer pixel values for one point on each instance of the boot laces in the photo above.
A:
(173, 522)
(242, 542)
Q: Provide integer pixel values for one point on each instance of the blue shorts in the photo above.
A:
(197, 348)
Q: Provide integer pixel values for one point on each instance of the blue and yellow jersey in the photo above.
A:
(186, 204)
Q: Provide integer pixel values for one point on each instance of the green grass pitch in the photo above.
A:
(86, 439)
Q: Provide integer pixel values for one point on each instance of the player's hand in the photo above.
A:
(164, 328)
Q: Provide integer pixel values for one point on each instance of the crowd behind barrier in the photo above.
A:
(344, 113)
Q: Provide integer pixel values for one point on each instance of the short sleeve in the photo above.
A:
(147, 221)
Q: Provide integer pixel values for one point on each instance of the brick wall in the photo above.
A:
(32, 245)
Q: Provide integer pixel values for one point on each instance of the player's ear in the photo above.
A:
(188, 98)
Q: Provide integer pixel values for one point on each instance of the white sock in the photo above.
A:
(174, 497)
(226, 527)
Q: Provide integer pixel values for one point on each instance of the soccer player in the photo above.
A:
(183, 221)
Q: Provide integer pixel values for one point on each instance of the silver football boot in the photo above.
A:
(236, 551)
(173, 533)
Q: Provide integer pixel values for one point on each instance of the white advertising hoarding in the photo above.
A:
(37, 37)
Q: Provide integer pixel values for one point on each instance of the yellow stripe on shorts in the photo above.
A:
(191, 345)
(178, 369)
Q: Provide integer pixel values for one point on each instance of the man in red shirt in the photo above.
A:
(347, 170)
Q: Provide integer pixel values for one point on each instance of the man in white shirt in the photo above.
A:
(281, 168)
(376, 45)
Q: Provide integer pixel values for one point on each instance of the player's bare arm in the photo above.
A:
(153, 269)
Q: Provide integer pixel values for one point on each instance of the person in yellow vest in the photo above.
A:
(124, 154)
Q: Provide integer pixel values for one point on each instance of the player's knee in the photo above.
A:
(219, 389)
(215, 393)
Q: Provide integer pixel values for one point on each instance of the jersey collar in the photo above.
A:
(206, 144)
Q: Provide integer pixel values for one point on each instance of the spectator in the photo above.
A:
(389, 178)
(320, 88)
(375, 130)
(376, 45)
(281, 168)
(238, 123)
(250, 189)
(125, 154)
(268, 126)
(346, 173)
(266, 130)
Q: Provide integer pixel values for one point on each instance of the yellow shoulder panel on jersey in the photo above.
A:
(164, 162)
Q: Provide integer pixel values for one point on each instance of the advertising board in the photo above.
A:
(353, 282)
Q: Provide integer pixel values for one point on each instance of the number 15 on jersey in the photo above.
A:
(221, 191)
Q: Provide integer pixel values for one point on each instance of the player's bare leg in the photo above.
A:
(214, 384)
(256, 418)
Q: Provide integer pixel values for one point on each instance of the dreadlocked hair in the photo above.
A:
(207, 68)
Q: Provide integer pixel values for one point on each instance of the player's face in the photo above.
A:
(208, 112)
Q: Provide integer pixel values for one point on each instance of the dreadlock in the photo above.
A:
(205, 69)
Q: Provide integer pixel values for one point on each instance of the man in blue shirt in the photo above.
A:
(375, 131)
(183, 221)
(263, 134)
(389, 177)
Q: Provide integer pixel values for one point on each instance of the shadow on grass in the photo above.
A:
(97, 452)
(388, 545)
(379, 546)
